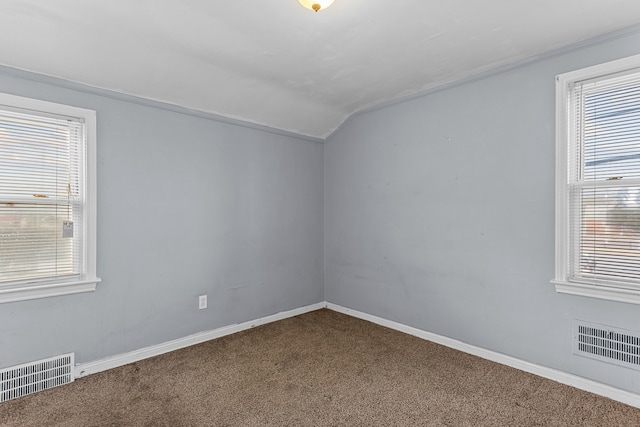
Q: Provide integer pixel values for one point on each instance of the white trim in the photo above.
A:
(91, 195)
(38, 105)
(591, 386)
(561, 211)
(562, 223)
(45, 290)
(604, 69)
(631, 296)
(542, 371)
(26, 290)
(94, 367)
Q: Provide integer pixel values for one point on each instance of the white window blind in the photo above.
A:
(605, 179)
(41, 191)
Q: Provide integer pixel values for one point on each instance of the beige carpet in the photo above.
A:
(319, 369)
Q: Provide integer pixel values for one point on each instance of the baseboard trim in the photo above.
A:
(84, 369)
(591, 386)
(552, 374)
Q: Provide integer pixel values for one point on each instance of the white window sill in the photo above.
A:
(45, 290)
(631, 296)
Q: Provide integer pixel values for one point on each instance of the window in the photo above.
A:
(598, 181)
(47, 199)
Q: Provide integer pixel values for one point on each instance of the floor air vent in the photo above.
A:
(606, 343)
(29, 378)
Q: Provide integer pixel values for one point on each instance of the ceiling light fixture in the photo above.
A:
(316, 4)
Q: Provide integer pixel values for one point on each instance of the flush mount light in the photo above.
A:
(316, 4)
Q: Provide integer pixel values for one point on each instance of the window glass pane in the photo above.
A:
(609, 242)
(35, 156)
(31, 242)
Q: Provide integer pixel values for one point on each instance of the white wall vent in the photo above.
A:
(606, 343)
(29, 378)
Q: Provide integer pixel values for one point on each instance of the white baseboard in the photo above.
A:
(552, 374)
(626, 397)
(84, 369)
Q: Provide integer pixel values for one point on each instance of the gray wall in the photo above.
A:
(186, 206)
(440, 215)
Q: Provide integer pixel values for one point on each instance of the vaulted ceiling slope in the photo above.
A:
(277, 64)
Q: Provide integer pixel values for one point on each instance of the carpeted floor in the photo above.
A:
(319, 369)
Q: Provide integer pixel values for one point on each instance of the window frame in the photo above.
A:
(606, 291)
(87, 281)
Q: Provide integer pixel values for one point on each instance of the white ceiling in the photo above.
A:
(272, 62)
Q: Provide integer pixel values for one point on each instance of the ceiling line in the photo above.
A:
(574, 47)
(94, 90)
(133, 99)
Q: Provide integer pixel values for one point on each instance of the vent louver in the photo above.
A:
(606, 343)
(29, 378)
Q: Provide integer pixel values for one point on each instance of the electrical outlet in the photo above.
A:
(202, 302)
